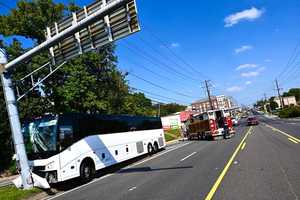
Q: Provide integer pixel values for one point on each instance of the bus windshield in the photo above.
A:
(41, 135)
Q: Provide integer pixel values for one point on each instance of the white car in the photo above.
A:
(235, 121)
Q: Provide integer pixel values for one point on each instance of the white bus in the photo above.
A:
(66, 146)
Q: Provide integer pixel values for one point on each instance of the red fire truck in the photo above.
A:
(211, 124)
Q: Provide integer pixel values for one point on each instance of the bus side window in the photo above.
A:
(65, 136)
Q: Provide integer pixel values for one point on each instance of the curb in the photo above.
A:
(175, 141)
(7, 181)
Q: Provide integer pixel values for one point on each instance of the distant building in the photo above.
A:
(287, 101)
(224, 102)
(171, 121)
(175, 120)
(218, 102)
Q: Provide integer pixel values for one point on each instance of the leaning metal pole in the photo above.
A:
(15, 125)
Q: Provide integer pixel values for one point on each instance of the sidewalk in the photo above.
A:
(7, 180)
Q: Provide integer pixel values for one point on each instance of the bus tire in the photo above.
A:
(150, 148)
(156, 148)
(87, 170)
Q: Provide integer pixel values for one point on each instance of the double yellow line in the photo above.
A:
(222, 175)
(290, 137)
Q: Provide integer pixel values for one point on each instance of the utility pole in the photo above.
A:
(265, 95)
(6, 68)
(14, 120)
(265, 103)
(279, 96)
(208, 94)
(158, 109)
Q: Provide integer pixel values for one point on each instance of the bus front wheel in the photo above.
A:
(87, 170)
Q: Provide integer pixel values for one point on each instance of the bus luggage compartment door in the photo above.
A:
(140, 147)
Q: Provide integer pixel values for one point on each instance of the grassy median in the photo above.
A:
(13, 193)
(172, 134)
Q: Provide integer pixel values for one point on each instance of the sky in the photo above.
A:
(241, 46)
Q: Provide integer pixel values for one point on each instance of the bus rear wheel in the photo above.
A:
(87, 171)
(150, 149)
(156, 149)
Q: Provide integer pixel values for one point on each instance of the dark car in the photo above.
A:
(252, 121)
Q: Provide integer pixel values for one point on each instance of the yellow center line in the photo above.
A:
(243, 146)
(288, 135)
(294, 141)
(220, 178)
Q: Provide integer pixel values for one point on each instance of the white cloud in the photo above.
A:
(250, 74)
(253, 73)
(234, 89)
(248, 83)
(268, 60)
(246, 66)
(243, 48)
(175, 45)
(245, 15)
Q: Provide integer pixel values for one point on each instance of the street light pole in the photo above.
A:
(14, 120)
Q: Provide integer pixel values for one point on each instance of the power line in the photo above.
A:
(161, 87)
(155, 73)
(158, 53)
(6, 6)
(172, 52)
(155, 61)
(291, 59)
(158, 95)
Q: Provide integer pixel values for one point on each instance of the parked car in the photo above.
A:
(235, 121)
(252, 121)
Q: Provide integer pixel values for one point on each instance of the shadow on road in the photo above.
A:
(149, 169)
(73, 183)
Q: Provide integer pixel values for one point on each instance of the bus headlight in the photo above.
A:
(50, 165)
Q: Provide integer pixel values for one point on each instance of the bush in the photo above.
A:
(289, 112)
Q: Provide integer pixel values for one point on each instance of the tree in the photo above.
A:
(90, 83)
(273, 105)
(30, 18)
(167, 109)
(138, 104)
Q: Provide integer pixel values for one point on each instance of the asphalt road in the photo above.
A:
(260, 163)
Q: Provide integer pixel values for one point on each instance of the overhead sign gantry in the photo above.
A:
(85, 30)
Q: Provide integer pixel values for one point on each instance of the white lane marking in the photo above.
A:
(108, 175)
(188, 156)
(133, 188)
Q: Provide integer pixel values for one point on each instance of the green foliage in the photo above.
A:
(167, 109)
(13, 167)
(290, 112)
(273, 105)
(90, 83)
(169, 137)
(138, 104)
(172, 134)
(30, 18)
(12, 193)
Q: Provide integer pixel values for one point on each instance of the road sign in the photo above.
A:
(120, 23)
